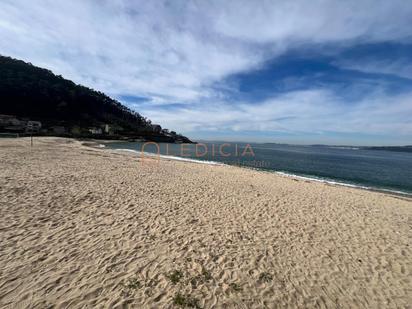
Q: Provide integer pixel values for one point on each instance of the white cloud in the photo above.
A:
(398, 67)
(318, 111)
(315, 20)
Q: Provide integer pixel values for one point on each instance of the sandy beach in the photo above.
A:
(83, 227)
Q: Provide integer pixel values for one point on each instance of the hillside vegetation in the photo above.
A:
(33, 93)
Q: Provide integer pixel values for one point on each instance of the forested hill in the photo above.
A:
(37, 94)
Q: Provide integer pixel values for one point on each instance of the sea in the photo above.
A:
(373, 169)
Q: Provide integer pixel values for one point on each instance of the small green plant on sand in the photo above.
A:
(133, 284)
(265, 277)
(206, 275)
(185, 301)
(175, 276)
(129, 286)
(235, 287)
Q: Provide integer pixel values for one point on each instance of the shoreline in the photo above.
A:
(312, 178)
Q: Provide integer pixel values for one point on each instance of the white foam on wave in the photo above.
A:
(344, 184)
(344, 147)
(154, 155)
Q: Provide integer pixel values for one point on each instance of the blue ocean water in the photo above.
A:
(376, 169)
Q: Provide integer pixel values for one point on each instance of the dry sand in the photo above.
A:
(86, 228)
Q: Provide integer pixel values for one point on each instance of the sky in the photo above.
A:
(306, 72)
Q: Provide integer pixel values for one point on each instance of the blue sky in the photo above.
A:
(336, 72)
